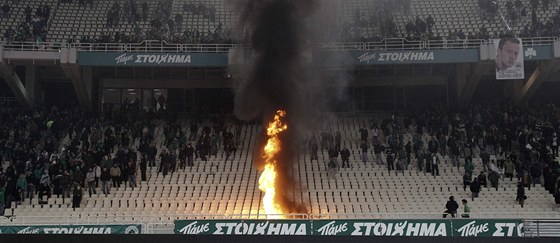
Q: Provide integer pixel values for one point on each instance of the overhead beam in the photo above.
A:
(15, 83)
(70, 67)
(74, 72)
(544, 69)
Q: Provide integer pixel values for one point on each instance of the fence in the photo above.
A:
(164, 47)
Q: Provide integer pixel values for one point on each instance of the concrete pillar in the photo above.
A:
(31, 84)
(461, 79)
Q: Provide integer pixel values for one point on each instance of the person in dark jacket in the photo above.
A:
(521, 194)
(475, 188)
(76, 196)
(536, 173)
(105, 178)
(345, 155)
(143, 167)
(482, 179)
(390, 160)
(65, 182)
(451, 207)
(466, 180)
(494, 179)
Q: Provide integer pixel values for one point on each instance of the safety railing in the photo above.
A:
(104, 219)
(541, 228)
(159, 46)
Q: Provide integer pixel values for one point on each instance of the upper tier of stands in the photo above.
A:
(72, 21)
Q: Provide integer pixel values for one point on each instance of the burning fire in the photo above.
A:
(267, 181)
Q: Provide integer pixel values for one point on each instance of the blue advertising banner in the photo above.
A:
(344, 58)
(331, 58)
(152, 59)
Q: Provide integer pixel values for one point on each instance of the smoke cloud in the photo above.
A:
(280, 75)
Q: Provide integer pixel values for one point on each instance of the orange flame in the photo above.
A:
(267, 181)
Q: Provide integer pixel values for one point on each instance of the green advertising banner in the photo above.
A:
(455, 228)
(243, 227)
(383, 227)
(152, 59)
(72, 229)
(511, 228)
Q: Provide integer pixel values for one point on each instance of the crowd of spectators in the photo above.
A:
(32, 28)
(510, 142)
(67, 153)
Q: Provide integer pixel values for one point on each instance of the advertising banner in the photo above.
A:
(339, 58)
(370, 228)
(72, 229)
(509, 58)
(242, 227)
(511, 228)
(383, 227)
(152, 59)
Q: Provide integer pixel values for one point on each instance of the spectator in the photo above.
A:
(475, 188)
(451, 207)
(390, 159)
(131, 173)
(466, 180)
(76, 196)
(116, 175)
(435, 164)
(90, 180)
(494, 179)
(377, 149)
(482, 179)
(65, 182)
(430, 22)
(364, 148)
(466, 209)
(536, 174)
(521, 194)
(105, 181)
(345, 155)
(410, 27)
(469, 166)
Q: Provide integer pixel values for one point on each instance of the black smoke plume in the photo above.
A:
(279, 77)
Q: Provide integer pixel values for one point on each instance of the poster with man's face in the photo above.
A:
(509, 59)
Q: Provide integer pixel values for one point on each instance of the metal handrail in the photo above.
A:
(19, 220)
(162, 46)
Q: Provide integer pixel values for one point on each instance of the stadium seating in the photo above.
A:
(69, 20)
(17, 13)
(217, 189)
(75, 21)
